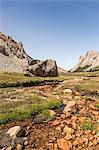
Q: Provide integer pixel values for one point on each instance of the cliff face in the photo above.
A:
(13, 58)
(12, 55)
(88, 63)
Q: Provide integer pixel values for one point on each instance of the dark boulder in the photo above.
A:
(45, 68)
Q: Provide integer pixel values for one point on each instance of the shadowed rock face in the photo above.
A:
(45, 68)
(88, 63)
(13, 58)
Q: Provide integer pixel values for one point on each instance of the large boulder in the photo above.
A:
(45, 68)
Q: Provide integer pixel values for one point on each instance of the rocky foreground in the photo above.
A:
(75, 126)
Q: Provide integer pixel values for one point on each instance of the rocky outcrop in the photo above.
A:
(88, 63)
(12, 55)
(13, 58)
(45, 68)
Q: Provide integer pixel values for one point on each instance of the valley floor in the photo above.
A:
(58, 116)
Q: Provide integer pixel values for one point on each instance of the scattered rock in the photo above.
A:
(52, 113)
(68, 130)
(67, 91)
(40, 119)
(19, 147)
(13, 132)
(63, 144)
(55, 123)
(66, 109)
(68, 136)
(26, 143)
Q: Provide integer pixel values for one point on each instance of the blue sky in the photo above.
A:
(57, 29)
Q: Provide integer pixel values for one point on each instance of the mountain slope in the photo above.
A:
(88, 63)
(12, 55)
(13, 58)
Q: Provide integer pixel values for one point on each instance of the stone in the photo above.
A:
(55, 146)
(14, 131)
(51, 146)
(77, 97)
(52, 113)
(63, 144)
(58, 129)
(45, 68)
(68, 114)
(26, 143)
(68, 130)
(68, 136)
(19, 147)
(66, 109)
(75, 142)
(62, 116)
(55, 123)
(67, 91)
(77, 94)
(25, 138)
(71, 103)
(40, 119)
(74, 126)
(96, 113)
(62, 125)
(9, 148)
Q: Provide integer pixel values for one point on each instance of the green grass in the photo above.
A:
(15, 105)
(27, 111)
(87, 125)
(88, 86)
(97, 105)
(8, 79)
(46, 114)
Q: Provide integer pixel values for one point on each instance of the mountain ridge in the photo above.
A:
(88, 63)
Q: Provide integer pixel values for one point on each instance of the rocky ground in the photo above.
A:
(75, 125)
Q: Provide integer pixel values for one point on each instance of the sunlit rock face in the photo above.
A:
(13, 58)
(88, 63)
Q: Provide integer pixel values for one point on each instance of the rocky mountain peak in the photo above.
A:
(13, 58)
(88, 63)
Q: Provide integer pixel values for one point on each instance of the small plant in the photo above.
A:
(75, 113)
(87, 125)
(97, 105)
(46, 114)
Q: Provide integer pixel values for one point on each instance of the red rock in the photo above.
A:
(51, 146)
(55, 123)
(68, 136)
(62, 116)
(68, 122)
(62, 125)
(74, 148)
(58, 129)
(55, 146)
(91, 137)
(68, 114)
(68, 130)
(80, 141)
(75, 142)
(74, 126)
(77, 94)
(96, 113)
(63, 144)
(26, 143)
(19, 147)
